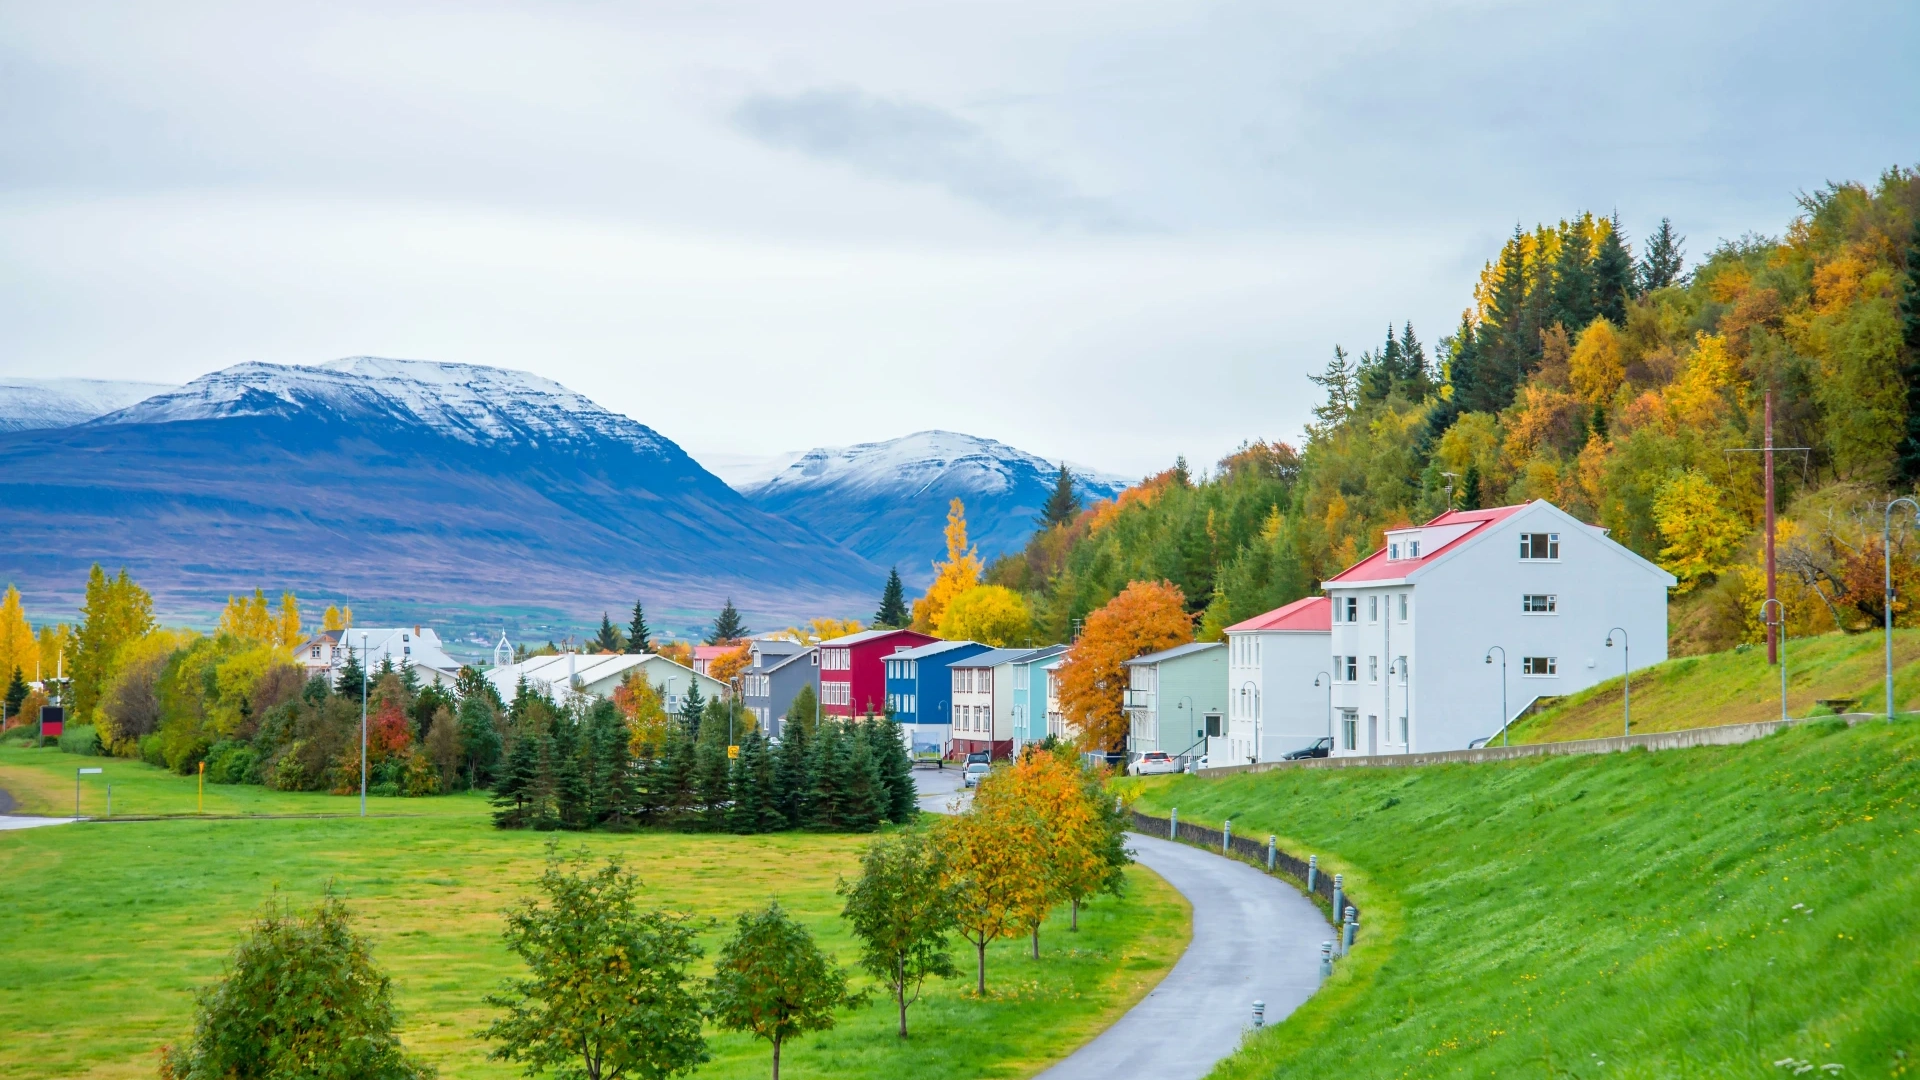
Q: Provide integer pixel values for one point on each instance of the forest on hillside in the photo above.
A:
(1611, 378)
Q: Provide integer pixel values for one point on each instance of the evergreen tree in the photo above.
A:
(753, 809)
(1341, 381)
(479, 740)
(1503, 335)
(571, 805)
(609, 774)
(639, 638)
(16, 694)
(1612, 276)
(1571, 302)
(691, 708)
(542, 810)
(803, 712)
(1463, 375)
(667, 791)
(1414, 378)
(1470, 488)
(727, 626)
(1909, 452)
(1063, 505)
(608, 639)
(1378, 371)
(347, 683)
(516, 783)
(893, 613)
(829, 763)
(865, 802)
(711, 782)
(792, 783)
(1661, 265)
(896, 771)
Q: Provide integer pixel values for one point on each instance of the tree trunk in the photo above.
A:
(776, 1057)
(1076, 915)
(981, 987)
(1036, 941)
(900, 992)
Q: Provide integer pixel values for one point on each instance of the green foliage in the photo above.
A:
(301, 997)
(609, 638)
(81, 739)
(608, 993)
(115, 612)
(1063, 504)
(727, 626)
(639, 637)
(901, 910)
(893, 613)
(771, 981)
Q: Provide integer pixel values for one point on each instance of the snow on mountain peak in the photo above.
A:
(955, 460)
(26, 404)
(468, 402)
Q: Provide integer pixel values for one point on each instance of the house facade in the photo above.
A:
(1056, 719)
(1026, 677)
(1273, 661)
(599, 674)
(983, 701)
(853, 677)
(776, 672)
(1176, 699)
(418, 646)
(1422, 629)
(920, 691)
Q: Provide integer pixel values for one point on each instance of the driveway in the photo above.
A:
(1254, 938)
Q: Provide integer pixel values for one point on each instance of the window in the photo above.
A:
(1539, 665)
(1353, 668)
(959, 717)
(1349, 729)
(1373, 669)
(316, 652)
(1353, 608)
(1393, 550)
(1373, 609)
(836, 693)
(1403, 607)
(1413, 549)
(1537, 603)
(1540, 545)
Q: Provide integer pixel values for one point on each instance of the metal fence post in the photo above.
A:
(1339, 896)
(1226, 837)
(1313, 870)
(1173, 824)
(1326, 959)
(1272, 850)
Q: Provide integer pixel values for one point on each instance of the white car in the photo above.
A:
(1155, 763)
(975, 771)
(1194, 765)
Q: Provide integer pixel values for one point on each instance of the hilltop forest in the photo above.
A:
(1604, 375)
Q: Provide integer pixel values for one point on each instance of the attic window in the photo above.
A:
(1393, 550)
(1540, 545)
(1413, 549)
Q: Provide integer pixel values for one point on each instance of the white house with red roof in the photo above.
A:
(1422, 629)
(1272, 662)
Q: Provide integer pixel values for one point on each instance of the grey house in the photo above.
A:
(777, 672)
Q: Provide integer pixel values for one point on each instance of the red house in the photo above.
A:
(853, 672)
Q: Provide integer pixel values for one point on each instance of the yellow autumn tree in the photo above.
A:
(1146, 617)
(1599, 364)
(997, 870)
(336, 618)
(959, 573)
(55, 645)
(252, 620)
(1702, 536)
(731, 663)
(646, 712)
(990, 614)
(18, 649)
(287, 622)
(822, 629)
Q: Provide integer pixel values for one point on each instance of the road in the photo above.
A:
(1254, 938)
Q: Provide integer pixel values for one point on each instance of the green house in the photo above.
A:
(1176, 699)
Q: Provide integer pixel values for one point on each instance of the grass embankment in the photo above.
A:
(111, 926)
(1699, 913)
(1737, 687)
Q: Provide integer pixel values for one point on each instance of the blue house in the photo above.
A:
(920, 691)
(1029, 693)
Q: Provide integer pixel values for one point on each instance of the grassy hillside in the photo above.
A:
(111, 926)
(1737, 686)
(1699, 913)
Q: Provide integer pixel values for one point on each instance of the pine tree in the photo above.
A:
(727, 626)
(1414, 377)
(1378, 370)
(610, 778)
(516, 782)
(896, 771)
(1341, 382)
(1063, 505)
(571, 804)
(1613, 276)
(792, 784)
(1504, 333)
(479, 740)
(1909, 452)
(668, 778)
(1470, 488)
(347, 683)
(828, 763)
(1571, 301)
(16, 694)
(691, 708)
(753, 810)
(893, 613)
(803, 712)
(1666, 255)
(639, 638)
(865, 793)
(608, 639)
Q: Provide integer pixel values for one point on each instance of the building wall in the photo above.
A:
(1273, 706)
(1187, 689)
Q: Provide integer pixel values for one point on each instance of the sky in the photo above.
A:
(1108, 232)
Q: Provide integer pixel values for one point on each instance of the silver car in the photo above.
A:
(975, 771)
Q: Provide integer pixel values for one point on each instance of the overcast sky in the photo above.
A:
(1112, 232)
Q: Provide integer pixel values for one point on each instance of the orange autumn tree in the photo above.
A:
(645, 711)
(1081, 854)
(731, 663)
(1146, 617)
(958, 574)
(997, 869)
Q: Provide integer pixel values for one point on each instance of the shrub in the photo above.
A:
(80, 739)
(153, 752)
(230, 762)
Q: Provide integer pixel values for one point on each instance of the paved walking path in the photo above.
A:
(1254, 938)
(11, 820)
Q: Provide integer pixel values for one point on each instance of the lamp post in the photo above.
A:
(363, 723)
(1779, 627)
(1886, 550)
(1506, 737)
(1626, 679)
(1327, 675)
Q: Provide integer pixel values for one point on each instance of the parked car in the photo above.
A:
(1320, 747)
(1194, 765)
(1155, 762)
(981, 756)
(976, 770)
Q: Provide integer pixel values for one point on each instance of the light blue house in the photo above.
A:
(920, 691)
(1176, 699)
(1026, 676)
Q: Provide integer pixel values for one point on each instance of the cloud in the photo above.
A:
(919, 144)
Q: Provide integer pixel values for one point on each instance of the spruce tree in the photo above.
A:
(571, 804)
(727, 626)
(516, 783)
(752, 786)
(1470, 488)
(691, 707)
(1342, 383)
(1504, 332)
(865, 794)
(1909, 451)
(1613, 276)
(608, 639)
(347, 683)
(668, 793)
(479, 740)
(639, 638)
(893, 613)
(16, 693)
(896, 771)
(1414, 377)
(803, 711)
(1063, 505)
(828, 765)
(1666, 254)
(792, 783)
(1571, 303)
(542, 809)
(609, 773)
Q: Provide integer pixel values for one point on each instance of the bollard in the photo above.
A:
(1339, 896)
(1173, 824)
(1326, 959)
(1353, 924)
(109, 800)
(1226, 836)
(1272, 849)
(1259, 1015)
(1117, 807)
(1313, 870)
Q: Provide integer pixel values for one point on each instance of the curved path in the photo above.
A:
(1254, 938)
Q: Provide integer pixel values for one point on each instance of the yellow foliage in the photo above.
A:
(959, 573)
(18, 649)
(234, 679)
(1697, 398)
(731, 663)
(336, 618)
(1701, 535)
(251, 620)
(990, 614)
(287, 623)
(997, 868)
(640, 702)
(55, 643)
(822, 629)
(680, 652)
(1599, 364)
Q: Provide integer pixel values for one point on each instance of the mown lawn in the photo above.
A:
(111, 926)
(1693, 913)
(1737, 687)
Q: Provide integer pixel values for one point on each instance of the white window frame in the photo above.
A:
(1529, 667)
(1373, 608)
(1527, 546)
(1403, 607)
(1373, 669)
(1550, 603)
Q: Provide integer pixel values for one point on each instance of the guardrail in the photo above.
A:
(1285, 863)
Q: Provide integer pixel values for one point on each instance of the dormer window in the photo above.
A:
(1393, 550)
(1413, 549)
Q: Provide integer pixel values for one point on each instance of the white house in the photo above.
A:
(598, 675)
(1273, 660)
(415, 645)
(1531, 587)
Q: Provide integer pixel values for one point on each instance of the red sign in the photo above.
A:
(53, 720)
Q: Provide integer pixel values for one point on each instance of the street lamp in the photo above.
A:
(1779, 620)
(1626, 678)
(363, 723)
(1506, 737)
(1886, 550)
(1316, 681)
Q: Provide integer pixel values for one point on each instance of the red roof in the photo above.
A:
(1307, 615)
(1375, 567)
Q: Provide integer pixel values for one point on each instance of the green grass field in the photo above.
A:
(1737, 687)
(1691, 913)
(111, 926)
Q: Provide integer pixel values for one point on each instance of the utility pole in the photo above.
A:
(1766, 451)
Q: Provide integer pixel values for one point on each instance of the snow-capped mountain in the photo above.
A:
(403, 481)
(26, 404)
(888, 500)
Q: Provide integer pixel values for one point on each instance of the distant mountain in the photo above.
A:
(26, 404)
(403, 481)
(888, 500)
